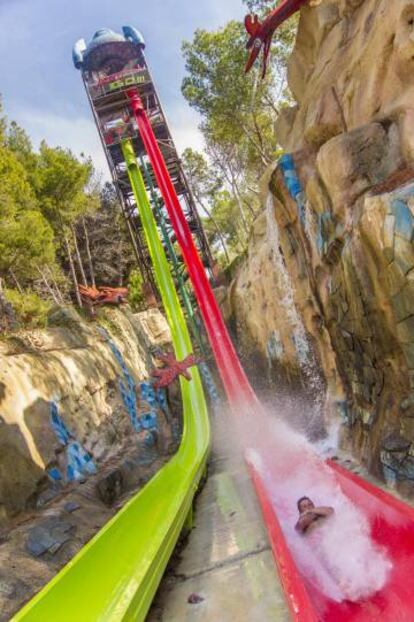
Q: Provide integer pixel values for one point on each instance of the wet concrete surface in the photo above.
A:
(227, 566)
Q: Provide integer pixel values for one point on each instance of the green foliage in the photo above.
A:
(29, 308)
(135, 295)
(238, 114)
(26, 242)
(238, 110)
(58, 227)
(60, 180)
(226, 214)
(16, 193)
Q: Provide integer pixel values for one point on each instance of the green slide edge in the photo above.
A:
(115, 576)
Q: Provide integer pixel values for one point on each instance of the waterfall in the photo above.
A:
(285, 287)
(305, 356)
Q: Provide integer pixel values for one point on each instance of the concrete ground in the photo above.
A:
(227, 561)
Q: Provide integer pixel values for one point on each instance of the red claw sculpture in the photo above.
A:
(103, 295)
(261, 33)
(173, 369)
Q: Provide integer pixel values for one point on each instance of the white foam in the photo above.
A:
(339, 557)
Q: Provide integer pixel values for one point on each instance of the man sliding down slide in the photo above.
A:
(261, 33)
(310, 516)
(339, 571)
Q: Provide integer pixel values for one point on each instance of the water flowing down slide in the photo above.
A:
(115, 576)
(391, 523)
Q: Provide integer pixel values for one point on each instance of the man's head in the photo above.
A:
(304, 504)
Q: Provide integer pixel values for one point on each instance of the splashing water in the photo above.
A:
(310, 223)
(338, 558)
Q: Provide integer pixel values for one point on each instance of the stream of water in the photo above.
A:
(305, 356)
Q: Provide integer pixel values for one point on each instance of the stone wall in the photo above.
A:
(332, 255)
(72, 398)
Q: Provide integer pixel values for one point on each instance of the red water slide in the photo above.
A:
(392, 522)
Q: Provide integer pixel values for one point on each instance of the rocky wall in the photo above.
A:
(73, 398)
(331, 257)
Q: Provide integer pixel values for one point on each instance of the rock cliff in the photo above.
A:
(73, 398)
(327, 288)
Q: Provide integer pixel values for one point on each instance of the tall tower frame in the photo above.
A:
(110, 65)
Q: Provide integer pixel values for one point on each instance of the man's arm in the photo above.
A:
(309, 517)
(323, 511)
(305, 520)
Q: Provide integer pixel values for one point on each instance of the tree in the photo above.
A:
(55, 221)
(60, 180)
(26, 242)
(135, 288)
(236, 109)
(226, 214)
(238, 114)
(108, 240)
(204, 185)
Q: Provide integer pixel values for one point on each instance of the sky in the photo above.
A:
(43, 92)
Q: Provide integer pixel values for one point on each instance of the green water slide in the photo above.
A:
(115, 576)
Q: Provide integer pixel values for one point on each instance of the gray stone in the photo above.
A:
(396, 443)
(407, 468)
(392, 460)
(71, 506)
(49, 536)
(110, 487)
(63, 316)
(12, 588)
(49, 494)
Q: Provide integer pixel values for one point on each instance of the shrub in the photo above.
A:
(30, 309)
(135, 296)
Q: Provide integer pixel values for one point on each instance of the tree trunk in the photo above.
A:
(16, 282)
(55, 285)
(48, 286)
(72, 271)
(216, 227)
(240, 206)
(88, 252)
(78, 257)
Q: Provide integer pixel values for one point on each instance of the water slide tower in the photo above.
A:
(110, 64)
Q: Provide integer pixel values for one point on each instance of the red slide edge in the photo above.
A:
(297, 597)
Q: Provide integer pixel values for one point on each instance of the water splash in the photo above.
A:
(339, 559)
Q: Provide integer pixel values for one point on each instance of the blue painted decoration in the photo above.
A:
(126, 384)
(154, 398)
(79, 462)
(292, 182)
(149, 420)
(404, 221)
